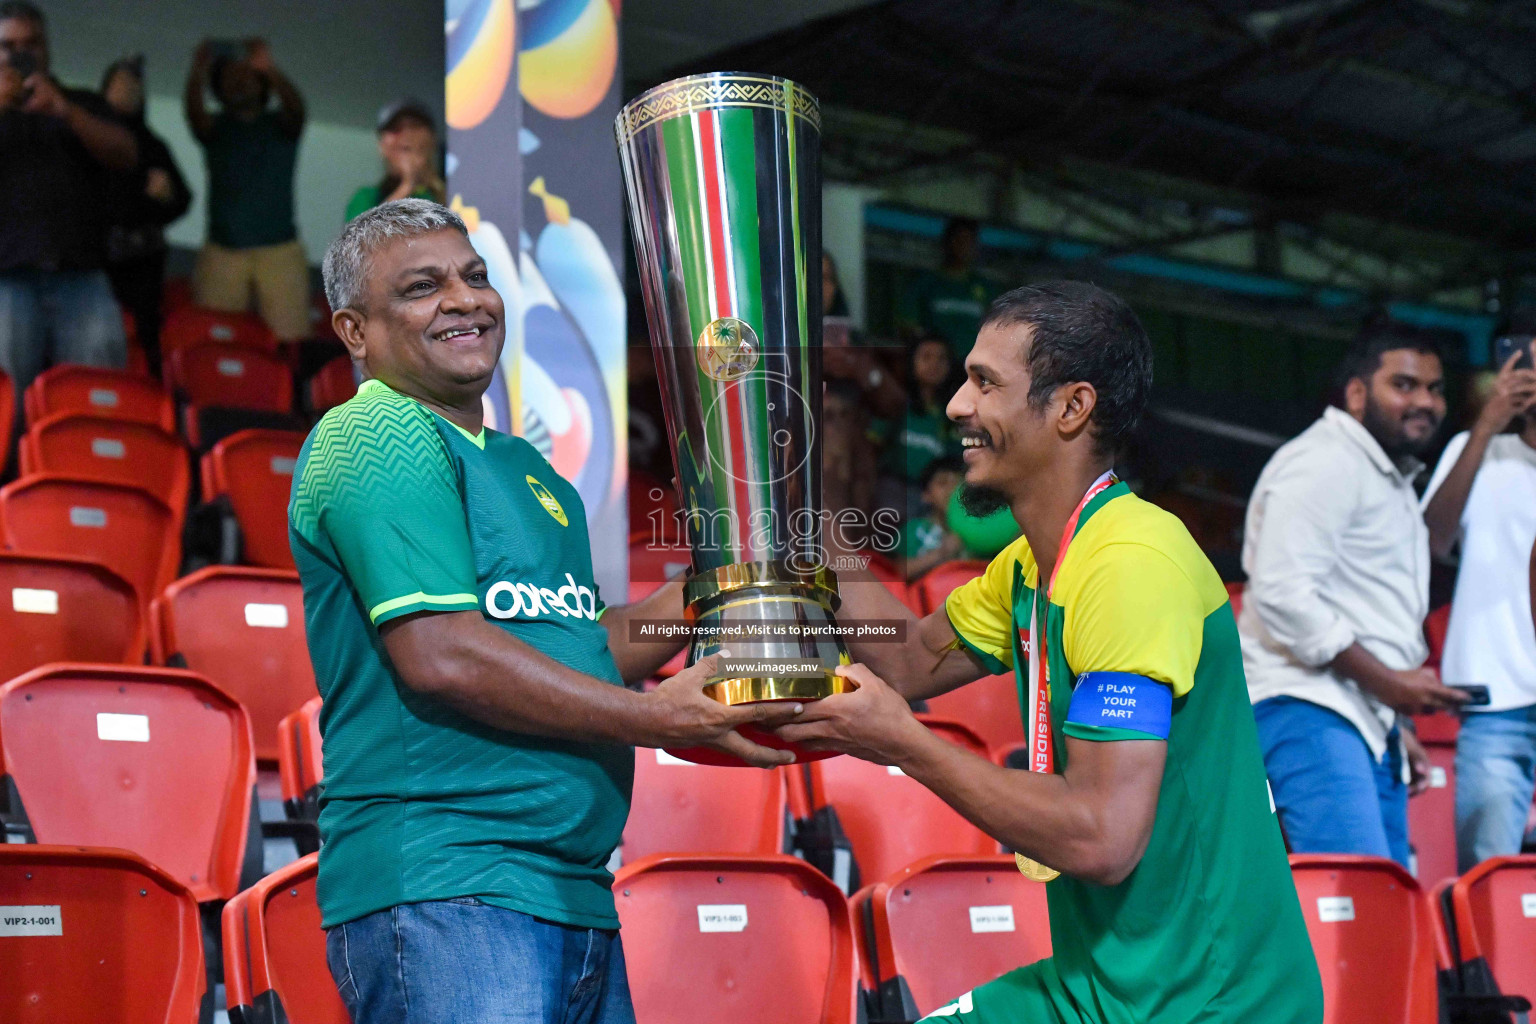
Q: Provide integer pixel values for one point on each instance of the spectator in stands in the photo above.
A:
(1337, 557)
(922, 432)
(926, 540)
(57, 147)
(950, 302)
(250, 148)
(478, 753)
(144, 201)
(1483, 493)
(408, 147)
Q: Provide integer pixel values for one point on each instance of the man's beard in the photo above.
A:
(1390, 435)
(980, 502)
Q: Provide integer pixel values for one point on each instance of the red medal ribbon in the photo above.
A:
(1042, 746)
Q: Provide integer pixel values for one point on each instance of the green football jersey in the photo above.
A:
(395, 510)
(1142, 644)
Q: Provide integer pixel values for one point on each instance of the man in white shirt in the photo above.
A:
(1484, 494)
(1337, 558)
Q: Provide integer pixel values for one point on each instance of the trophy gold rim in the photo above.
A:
(712, 583)
(715, 90)
(757, 689)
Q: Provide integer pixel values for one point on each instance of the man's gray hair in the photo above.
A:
(346, 260)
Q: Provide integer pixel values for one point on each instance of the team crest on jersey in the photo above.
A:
(548, 501)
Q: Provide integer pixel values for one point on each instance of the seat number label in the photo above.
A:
(104, 396)
(283, 465)
(17, 922)
(1335, 908)
(267, 616)
(1528, 904)
(992, 919)
(662, 757)
(722, 917)
(34, 602)
(82, 515)
(122, 728)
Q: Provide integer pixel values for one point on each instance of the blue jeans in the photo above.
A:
(457, 961)
(1331, 795)
(52, 317)
(1495, 779)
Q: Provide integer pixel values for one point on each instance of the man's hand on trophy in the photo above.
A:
(873, 722)
(687, 717)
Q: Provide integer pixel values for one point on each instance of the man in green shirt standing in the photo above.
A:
(478, 733)
(950, 301)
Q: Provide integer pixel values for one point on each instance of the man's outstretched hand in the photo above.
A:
(872, 723)
(688, 717)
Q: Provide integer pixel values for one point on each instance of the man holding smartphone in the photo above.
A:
(57, 146)
(1483, 494)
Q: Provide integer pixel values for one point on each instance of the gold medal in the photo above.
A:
(1034, 870)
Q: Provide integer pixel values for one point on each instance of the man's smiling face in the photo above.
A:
(1004, 436)
(432, 325)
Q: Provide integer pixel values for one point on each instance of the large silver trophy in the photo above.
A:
(724, 185)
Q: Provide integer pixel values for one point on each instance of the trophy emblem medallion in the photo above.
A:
(727, 349)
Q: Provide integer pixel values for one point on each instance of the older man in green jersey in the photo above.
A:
(1144, 806)
(477, 730)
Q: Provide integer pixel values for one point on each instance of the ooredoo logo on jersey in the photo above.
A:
(506, 600)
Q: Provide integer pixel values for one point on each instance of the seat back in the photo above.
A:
(682, 807)
(255, 469)
(188, 326)
(107, 937)
(944, 925)
(65, 609)
(300, 768)
(1436, 625)
(750, 940)
(158, 762)
(232, 377)
(333, 384)
(119, 451)
(989, 707)
(125, 528)
(1235, 597)
(93, 391)
(1495, 911)
(244, 630)
(1373, 937)
(891, 820)
(274, 951)
(1432, 817)
(935, 585)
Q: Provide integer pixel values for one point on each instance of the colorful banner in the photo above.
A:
(534, 173)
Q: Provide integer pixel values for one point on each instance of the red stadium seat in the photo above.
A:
(1436, 625)
(749, 940)
(333, 384)
(1432, 816)
(255, 469)
(300, 768)
(231, 377)
(681, 807)
(652, 508)
(881, 569)
(890, 820)
(159, 762)
(1373, 935)
(274, 951)
(989, 707)
(935, 585)
(244, 630)
(176, 294)
(945, 925)
(649, 567)
(114, 939)
(1494, 907)
(1235, 597)
(188, 326)
(119, 451)
(65, 609)
(127, 529)
(92, 391)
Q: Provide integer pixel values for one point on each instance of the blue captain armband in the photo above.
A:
(1109, 705)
